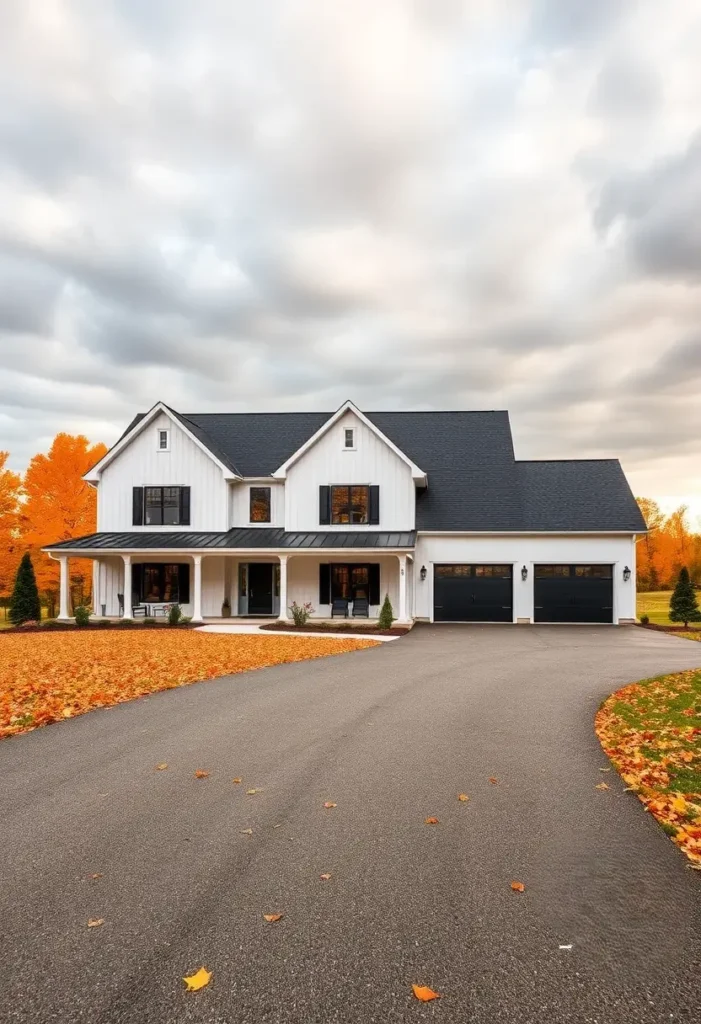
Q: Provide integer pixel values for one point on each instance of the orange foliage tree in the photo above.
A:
(59, 505)
(669, 545)
(10, 547)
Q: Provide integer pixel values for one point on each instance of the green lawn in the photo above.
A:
(656, 605)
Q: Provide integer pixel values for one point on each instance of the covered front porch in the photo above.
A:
(219, 585)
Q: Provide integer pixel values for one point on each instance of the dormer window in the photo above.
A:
(349, 439)
(163, 440)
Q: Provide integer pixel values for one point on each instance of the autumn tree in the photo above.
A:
(683, 607)
(9, 525)
(59, 505)
(648, 546)
(25, 605)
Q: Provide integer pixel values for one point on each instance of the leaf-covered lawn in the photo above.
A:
(651, 731)
(47, 678)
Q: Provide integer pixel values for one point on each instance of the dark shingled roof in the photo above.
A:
(243, 537)
(474, 480)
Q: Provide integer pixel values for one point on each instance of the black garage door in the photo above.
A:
(472, 593)
(574, 593)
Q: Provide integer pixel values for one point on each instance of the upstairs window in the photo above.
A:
(349, 439)
(161, 506)
(163, 440)
(350, 505)
(259, 505)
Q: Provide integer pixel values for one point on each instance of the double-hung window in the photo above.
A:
(161, 506)
(350, 504)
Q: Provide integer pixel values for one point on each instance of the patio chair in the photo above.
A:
(340, 607)
(361, 608)
(139, 611)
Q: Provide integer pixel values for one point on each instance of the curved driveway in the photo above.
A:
(391, 735)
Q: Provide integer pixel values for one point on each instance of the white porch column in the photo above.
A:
(282, 615)
(95, 587)
(197, 589)
(402, 587)
(128, 610)
(63, 611)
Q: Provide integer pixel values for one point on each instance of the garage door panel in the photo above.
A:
(573, 593)
(473, 593)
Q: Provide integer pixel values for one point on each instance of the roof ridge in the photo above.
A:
(609, 458)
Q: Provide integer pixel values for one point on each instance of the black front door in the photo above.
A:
(573, 593)
(260, 588)
(473, 593)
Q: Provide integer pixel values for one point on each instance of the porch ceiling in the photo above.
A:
(262, 538)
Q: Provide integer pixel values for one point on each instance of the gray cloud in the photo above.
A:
(441, 204)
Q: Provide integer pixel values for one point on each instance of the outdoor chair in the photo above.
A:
(340, 607)
(361, 608)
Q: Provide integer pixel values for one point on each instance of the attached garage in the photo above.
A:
(573, 593)
(473, 593)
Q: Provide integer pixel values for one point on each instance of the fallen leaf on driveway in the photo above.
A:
(325, 877)
(95, 922)
(328, 805)
(246, 831)
(98, 874)
(602, 785)
(252, 792)
(518, 886)
(424, 994)
(494, 782)
(604, 769)
(201, 774)
(463, 798)
(432, 821)
(237, 781)
(273, 917)
(161, 767)
(198, 980)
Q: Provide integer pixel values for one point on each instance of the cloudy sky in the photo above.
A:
(415, 203)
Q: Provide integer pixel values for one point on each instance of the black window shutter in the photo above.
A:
(184, 582)
(137, 514)
(374, 576)
(324, 505)
(184, 506)
(324, 583)
(374, 506)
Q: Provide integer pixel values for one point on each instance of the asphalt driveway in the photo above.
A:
(390, 735)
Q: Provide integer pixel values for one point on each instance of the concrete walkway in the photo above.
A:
(253, 627)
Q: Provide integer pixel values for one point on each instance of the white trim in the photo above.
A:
(93, 475)
(527, 533)
(224, 552)
(280, 473)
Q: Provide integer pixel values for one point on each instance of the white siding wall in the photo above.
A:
(303, 581)
(241, 507)
(528, 551)
(141, 464)
(213, 585)
(327, 462)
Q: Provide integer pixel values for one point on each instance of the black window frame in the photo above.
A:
(141, 571)
(328, 581)
(182, 503)
(268, 492)
(349, 488)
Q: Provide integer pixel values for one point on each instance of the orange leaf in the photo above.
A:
(431, 821)
(463, 798)
(325, 877)
(95, 922)
(518, 886)
(201, 774)
(161, 767)
(273, 917)
(494, 782)
(328, 805)
(198, 980)
(237, 781)
(425, 994)
(602, 785)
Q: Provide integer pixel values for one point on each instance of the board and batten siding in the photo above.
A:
(519, 550)
(141, 464)
(241, 507)
(303, 581)
(328, 462)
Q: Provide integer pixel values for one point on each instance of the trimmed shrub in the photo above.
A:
(175, 615)
(683, 606)
(386, 614)
(644, 620)
(25, 605)
(82, 615)
(301, 613)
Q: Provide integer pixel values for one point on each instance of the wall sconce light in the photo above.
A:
(422, 573)
(524, 573)
(627, 574)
